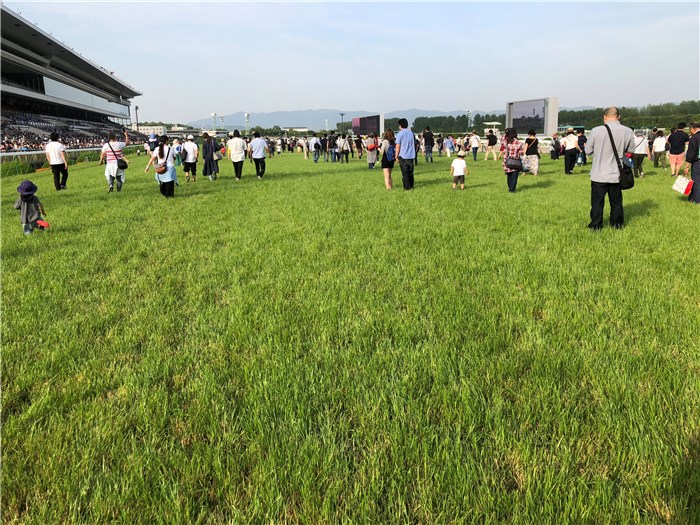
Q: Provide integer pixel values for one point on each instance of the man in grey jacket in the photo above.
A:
(605, 172)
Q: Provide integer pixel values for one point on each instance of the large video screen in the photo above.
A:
(528, 115)
(365, 125)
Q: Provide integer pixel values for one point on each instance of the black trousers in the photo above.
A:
(167, 189)
(238, 169)
(259, 167)
(60, 175)
(406, 173)
(695, 175)
(614, 193)
(570, 160)
(637, 159)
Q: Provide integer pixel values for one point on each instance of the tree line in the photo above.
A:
(666, 115)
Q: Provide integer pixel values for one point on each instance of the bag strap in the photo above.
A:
(617, 157)
(113, 152)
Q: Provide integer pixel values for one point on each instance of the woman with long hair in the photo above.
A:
(512, 164)
(389, 142)
(211, 165)
(164, 154)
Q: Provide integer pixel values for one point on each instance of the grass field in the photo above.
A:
(311, 348)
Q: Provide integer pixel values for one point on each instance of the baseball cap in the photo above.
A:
(190, 137)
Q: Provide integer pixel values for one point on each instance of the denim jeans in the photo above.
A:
(512, 180)
(317, 154)
(428, 154)
(475, 151)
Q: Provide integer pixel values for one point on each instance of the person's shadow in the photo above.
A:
(636, 210)
(686, 485)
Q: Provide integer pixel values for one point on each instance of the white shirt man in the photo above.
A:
(56, 157)
(190, 153)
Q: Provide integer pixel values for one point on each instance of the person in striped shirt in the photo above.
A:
(112, 151)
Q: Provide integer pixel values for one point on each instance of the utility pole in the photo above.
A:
(137, 118)
(341, 122)
(247, 120)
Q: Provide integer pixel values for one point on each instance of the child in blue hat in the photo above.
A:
(29, 207)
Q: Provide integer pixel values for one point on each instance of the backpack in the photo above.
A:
(317, 146)
(390, 154)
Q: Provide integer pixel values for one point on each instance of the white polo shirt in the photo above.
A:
(53, 150)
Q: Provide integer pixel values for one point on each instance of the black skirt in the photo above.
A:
(387, 163)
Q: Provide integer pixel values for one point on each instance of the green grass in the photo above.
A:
(311, 348)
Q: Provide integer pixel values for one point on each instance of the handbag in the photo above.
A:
(121, 163)
(683, 185)
(217, 155)
(626, 173)
(163, 166)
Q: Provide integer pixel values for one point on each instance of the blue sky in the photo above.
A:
(261, 57)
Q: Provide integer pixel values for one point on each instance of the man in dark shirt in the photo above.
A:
(332, 146)
(582, 144)
(693, 159)
(440, 143)
(676, 155)
(491, 141)
(428, 143)
(324, 147)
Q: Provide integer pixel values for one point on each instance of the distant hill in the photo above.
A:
(315, 119)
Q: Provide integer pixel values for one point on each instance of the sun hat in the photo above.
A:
(460, 154)
(26, 188)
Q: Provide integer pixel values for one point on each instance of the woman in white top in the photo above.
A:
(344, 148)
(641, 152)
(571, 150)
(164, 154)
(236, 147)
(659, 147)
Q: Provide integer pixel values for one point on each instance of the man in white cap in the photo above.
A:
(190, 153)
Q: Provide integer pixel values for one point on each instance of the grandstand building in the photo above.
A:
(48, 86)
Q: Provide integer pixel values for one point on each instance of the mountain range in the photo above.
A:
(316, 119)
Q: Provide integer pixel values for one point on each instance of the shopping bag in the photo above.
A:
(683, 185)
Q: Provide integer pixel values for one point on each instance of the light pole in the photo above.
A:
(469, 114)
(326, 124)
(247, 120)
(213, 121)
(221, 116)
(341, 122)
(137, 118)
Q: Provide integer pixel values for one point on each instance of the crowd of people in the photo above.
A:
(26, 132)
(608, 144)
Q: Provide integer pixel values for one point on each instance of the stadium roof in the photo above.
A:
(21, 37)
